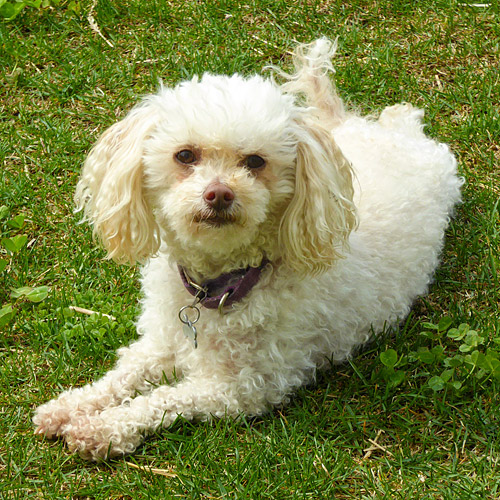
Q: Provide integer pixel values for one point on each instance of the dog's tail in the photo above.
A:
(312, 79)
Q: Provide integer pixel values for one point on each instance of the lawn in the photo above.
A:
(414, 416)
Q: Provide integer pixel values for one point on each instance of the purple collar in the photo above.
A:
(225, 290)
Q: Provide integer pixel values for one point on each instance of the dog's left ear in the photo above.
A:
(317, 222)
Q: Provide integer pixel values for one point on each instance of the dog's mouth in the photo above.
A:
(214, 219)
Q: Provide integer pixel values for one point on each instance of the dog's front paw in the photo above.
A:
(50, 418)
(96, 438)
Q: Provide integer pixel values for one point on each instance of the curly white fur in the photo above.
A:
(350, 213)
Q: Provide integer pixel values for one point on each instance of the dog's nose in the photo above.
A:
(218, 196)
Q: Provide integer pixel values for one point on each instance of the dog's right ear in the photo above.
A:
(110, 190)
(316, 225)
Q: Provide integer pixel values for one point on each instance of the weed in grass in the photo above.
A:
(11, 245)
(442, 367)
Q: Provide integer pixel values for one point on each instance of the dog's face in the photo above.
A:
(224, 171)
(219, 166)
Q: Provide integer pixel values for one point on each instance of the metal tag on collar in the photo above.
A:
(188, 328)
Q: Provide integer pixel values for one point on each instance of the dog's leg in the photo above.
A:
(139, 367)
(120, 430)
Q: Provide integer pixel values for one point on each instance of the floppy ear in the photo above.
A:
(317, 222)
(110, 189)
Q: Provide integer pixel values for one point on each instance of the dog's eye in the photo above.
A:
(186, 156)
(254, 161)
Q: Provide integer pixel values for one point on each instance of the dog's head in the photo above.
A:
(223, 171)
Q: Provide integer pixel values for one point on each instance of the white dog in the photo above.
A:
(278, 232)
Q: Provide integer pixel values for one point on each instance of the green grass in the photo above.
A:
(62, 85)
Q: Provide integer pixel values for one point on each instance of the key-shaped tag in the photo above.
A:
(190, 332)
(188, 327)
